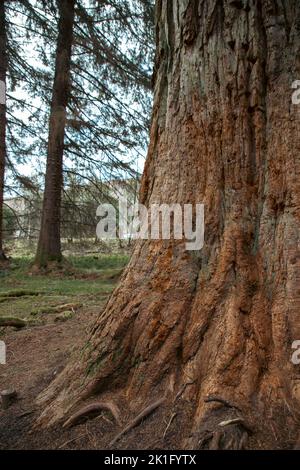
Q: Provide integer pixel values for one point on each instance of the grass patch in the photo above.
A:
(17, 293)
(89, 284)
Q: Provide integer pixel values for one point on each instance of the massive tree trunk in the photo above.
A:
(212, 330)
(49, 245)
(3, 72)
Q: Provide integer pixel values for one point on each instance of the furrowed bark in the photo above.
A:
(222, 319)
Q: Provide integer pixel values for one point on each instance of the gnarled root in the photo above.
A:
(234, 437)
(231, 432)
(93, 409)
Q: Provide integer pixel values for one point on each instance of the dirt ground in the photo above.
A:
(36, 353)
(34, 357)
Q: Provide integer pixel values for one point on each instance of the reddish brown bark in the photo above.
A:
(211, 330)
(49, 245)
(3, 72)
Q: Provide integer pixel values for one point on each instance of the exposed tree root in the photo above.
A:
(231, 421)
(11, 321)
(233, 436)
(226, 403)
(233, 439)
(93, 408)
(136, 421)
(224, 427)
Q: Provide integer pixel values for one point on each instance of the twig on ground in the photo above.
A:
(231, 421)
(169, 424)
(136, 421)
(183, 389)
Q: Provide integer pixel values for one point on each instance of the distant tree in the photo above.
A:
(19, 137)
(91, 129)
(3, 73)
(107, 115)
(49, 244)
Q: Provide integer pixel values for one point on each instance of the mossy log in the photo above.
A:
(12, 321)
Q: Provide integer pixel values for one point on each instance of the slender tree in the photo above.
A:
(49, 245)
(107, 116)
(3, 73)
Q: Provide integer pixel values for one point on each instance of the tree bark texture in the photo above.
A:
(212, 330)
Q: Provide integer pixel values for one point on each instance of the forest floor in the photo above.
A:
(58, 310)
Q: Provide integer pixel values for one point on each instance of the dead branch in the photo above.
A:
(136, 421)
(11, 321)
(241, 421)
(93, 408)
(169, 423)
(231, 421)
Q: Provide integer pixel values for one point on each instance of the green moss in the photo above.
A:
(18, 293)
(26, 295)
(55, 309)
(64, 316)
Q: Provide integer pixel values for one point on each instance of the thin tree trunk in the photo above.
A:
(3, 72)
(211, 330)
(49, 245)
